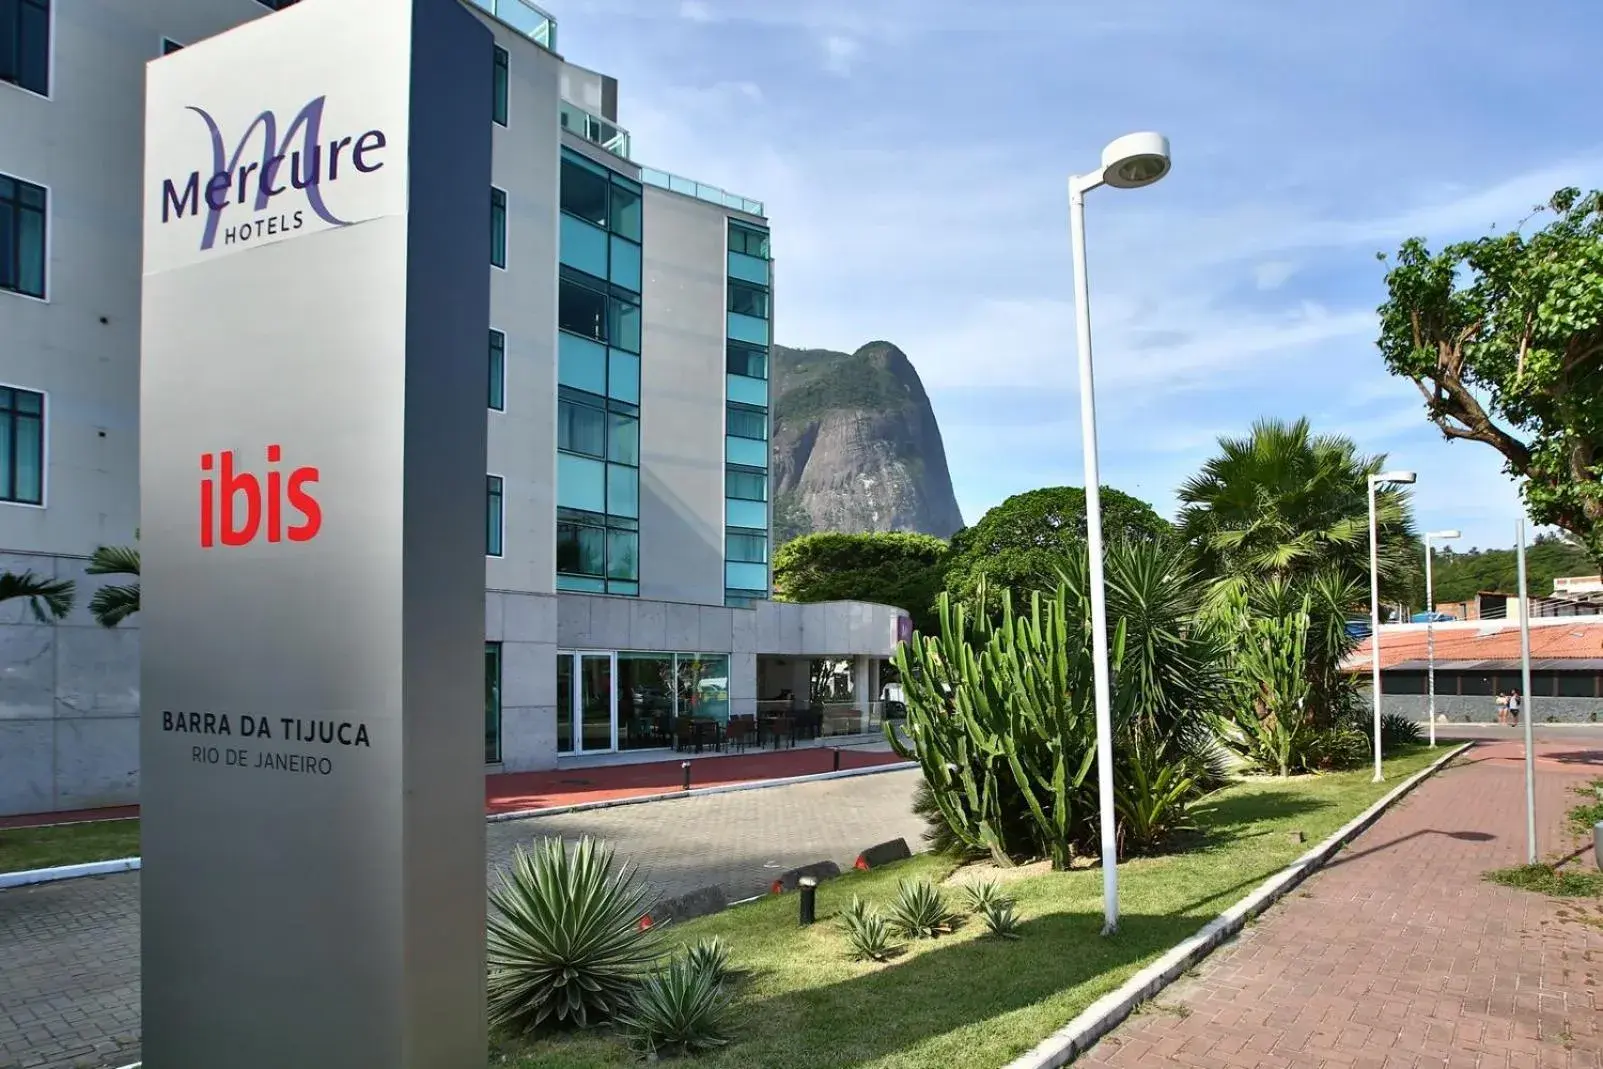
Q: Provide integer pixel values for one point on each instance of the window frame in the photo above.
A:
(506, 228)
(49, 92)
(495, 492)
(736, 285)
(746, 349)
(731, 407)
(498, 350)
(743, 229)
(500, 86)
(735, 469)
(49, 237)
(44, 449)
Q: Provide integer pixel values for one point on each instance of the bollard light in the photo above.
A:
(684, 766)
(809, 889)
(837, 759)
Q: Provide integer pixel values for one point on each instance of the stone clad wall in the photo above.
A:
(1482, 709)
(69, 700)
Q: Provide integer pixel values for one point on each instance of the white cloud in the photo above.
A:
(696, 11)
(839, 52)
(1273, 274)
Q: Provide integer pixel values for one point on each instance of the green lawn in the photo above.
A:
(974, 1001)
(67, 844)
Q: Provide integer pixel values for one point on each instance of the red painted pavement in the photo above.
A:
(573, 786)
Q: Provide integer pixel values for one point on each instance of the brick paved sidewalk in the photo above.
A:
(508, 792)
(1398, 954)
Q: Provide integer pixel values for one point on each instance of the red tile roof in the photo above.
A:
(1549, 641)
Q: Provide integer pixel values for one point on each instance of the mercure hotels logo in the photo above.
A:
(300, 164)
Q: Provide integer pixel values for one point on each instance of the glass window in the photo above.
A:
(625, 213)
(582, 246)
(747, 360)
(25, 44)
(498, 227)
(623, 325)
(582, 310)
(746, 547)
(743, 576)
(581, 549)
(1575, 684)
(492, 703)
(1475, 683)
(22, 235)
(752, 514)
(581, 429)
(645, 700)
(623, 555)
(22, 442)
(747, 423)
(564, 703)
(748, 485)
(703, 686)
(584, 193)
(1403, 682)
(624, 269)
(493, 518)
(498, 106)
(746, 391)
(747, 328)
(748, 241)
(623, 491)
(623, 376)
(623, 439)
(581, 363)
(581, 483)
(498, 370)
(748, 300)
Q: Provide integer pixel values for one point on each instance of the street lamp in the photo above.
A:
(1129, 162)
(1392, 478)
(1430, 626)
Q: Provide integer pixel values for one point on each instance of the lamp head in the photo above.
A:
(1401, 477)
(1135, 160)
(1442, 536)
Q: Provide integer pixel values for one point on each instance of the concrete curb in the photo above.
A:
(1103, 1015)
(699, 792)
(130, 864)
(29, 877)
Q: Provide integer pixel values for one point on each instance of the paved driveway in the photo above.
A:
(69, 951)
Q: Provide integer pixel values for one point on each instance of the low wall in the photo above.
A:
(1467, 709)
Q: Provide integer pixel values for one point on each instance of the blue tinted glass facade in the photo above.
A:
(749, 334)
(598, 378)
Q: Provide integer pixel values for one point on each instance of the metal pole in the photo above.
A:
(1093, 540)
(1525, 708)
(1374, 621)
(1430, 643)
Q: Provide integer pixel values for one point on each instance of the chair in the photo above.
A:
(739, 732)
(782, 728)
(684, 733)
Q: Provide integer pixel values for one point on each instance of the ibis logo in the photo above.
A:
(268, 181)
(237, 506)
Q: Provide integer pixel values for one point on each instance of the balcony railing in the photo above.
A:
(700, 190)
(593, 128)
(528, 19)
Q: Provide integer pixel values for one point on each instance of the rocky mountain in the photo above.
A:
(855, 445)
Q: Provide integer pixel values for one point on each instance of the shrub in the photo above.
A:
(982, 894)
(1153, 800)
(711, 956)
(1000, 920)
(1339, 746)
(681, 1010)
(867, 933)
(565, 943)
(1397, 730)
(920, 911)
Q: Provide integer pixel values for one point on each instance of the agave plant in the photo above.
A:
(867, 933)
(1000, 920)
(711, 956)
(920, 911)
(566, 946)
(981, 894)
(681, 1010)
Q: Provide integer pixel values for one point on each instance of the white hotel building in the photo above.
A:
(626, 501)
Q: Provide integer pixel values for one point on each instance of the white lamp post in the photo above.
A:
(1130, 162)
(1430, 626)
(1390, 477)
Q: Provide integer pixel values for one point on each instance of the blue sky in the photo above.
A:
(913, 157)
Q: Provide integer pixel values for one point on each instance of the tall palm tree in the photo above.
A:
(115, 602)
(1285, 503)
(49, 599)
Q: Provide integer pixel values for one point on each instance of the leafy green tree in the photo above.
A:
(1503, 336)
(115, 602)
(1284, 503)
(1023, 544)
(889, 567)
(48, 599)
(1460, 576)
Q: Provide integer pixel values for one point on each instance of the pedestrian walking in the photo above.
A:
(1502, 709)
(1514, 708)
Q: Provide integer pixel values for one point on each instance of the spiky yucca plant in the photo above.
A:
(565, 942)
(681, 1010)
(920, 911)
(710, 954)
(980, 894)
(1000, 919)
(867, 933)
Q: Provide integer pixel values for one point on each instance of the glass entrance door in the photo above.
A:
(596, 714)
